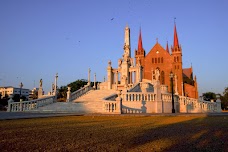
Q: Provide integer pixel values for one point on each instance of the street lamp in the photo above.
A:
(171, 79)
(20, 85)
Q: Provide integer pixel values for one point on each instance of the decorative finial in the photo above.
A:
(157, 40)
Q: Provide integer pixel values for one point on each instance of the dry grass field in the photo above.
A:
(115, 133)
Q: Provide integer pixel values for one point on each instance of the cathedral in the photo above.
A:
(166, 62)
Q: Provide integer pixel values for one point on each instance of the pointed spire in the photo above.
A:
(167, 47)
(175, 41)
(140, 46)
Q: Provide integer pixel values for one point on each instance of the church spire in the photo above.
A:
(140, 46)
(175, 41)
(167, 47)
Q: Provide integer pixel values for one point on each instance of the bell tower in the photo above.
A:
(177, 61)
(140, 53)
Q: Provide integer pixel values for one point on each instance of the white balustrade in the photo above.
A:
(110, 106)
(201, 106)
(80, 92)
(29, 105)
(138, 96)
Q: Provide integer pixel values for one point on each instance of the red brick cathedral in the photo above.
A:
(167, 62)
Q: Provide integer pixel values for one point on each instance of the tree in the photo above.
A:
(77, 84)
(62, 92)
(208, 96)
(224, 99)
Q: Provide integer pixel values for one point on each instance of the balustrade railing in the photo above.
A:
(29, 105)
(80, 92)
(201, 106)
(110, 106)
(138, 96)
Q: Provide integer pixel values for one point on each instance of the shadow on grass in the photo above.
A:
(200, 134)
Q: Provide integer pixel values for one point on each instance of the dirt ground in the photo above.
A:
(115, 133)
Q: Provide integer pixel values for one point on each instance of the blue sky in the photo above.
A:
(41, 37)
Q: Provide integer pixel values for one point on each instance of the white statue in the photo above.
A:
(157, 74)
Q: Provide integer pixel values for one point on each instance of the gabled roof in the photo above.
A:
(187, 72)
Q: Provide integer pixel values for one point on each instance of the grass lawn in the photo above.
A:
(115, 133)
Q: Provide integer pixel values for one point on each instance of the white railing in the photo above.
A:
(80, 92)
(191, 104)
(29, 105)
(110, 106)
(138, 96)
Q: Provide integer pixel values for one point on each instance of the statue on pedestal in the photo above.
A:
(41, 83)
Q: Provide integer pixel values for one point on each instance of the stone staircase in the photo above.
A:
(88, 103)
(93, 101)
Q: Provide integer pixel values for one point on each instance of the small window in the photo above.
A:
(158, 60)
(152, 60)
(155, 60)
(174, 59)
(162, 60)
(177, 59)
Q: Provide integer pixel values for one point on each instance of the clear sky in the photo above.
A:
(41, 37)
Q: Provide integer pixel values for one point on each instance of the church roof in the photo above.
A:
(140, 46)
(175, 40)
(187, 72)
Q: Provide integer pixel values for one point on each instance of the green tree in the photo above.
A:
(224, 99)
(62, 92)
(208, 96)
(77, 84)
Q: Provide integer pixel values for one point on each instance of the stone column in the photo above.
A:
(94, 85)
(55, 89)
(119, 103)
(40, 91)
(158, 99)
(9, 103)
(116, 80)
(89, 76)
(68, 94)
(109, 75)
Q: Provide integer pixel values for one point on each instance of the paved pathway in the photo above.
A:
(26, 115)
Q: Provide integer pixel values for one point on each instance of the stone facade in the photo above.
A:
(166, 61)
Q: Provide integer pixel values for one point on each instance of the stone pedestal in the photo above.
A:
(40, 93)
(158, 99)
(68, 94)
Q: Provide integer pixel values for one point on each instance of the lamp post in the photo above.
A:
(20, 85)
(171, 79)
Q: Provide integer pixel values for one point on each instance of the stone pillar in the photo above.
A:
(9, 103)
(94, 85)
(218, 102)
(55, 89)
(40, 91)
(109, 75)
(158, 99)
(68, 94)
(119, 103)
(89, 76)
(116, 74)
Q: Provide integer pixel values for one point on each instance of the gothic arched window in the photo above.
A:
(162, 60)
(155, 60)
(174, 59)
(158, 60)
(162, 77)
(152, 60)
